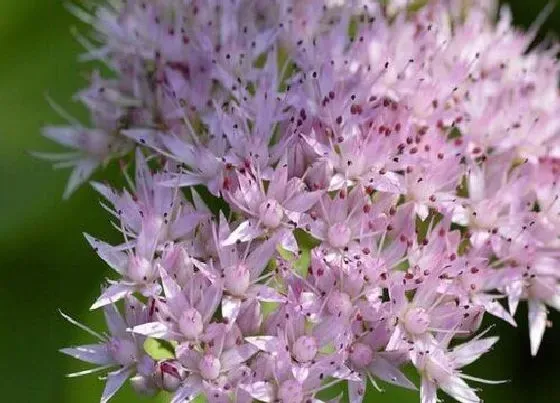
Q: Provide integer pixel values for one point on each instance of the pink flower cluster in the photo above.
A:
(324, 191)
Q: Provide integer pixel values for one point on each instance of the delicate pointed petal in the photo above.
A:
(237, 355)
(303, 201)
(266, 293)
(264, 343)
(115, 321)
(114, 382)
(183, 179)
(230, 307)
(384, 370)
(81, 172)
(469, 352)
(537, 324)
(459, 390)
(82, 326)
(116, 259)
(261, 391)
(112, 294)
(151, 329)
(356, 391)
(428, 391)
(188, 391)
(92, 353)
(258, 259)
(244, 232)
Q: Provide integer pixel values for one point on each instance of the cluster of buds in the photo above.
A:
(323, 191)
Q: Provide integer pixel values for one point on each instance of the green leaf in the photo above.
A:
(159, 349)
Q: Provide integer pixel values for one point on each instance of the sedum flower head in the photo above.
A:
(323, 192)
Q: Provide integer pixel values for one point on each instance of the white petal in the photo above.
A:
(82, 326)
(264, 343)
(428, 391)
(112, 294)
(151, 329)
(469, 352)
(230, 308)
(246, 231)
(459, 390)
(300, 373)
(537, 324)
(262, 391)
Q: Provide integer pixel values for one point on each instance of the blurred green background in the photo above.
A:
(46, 264)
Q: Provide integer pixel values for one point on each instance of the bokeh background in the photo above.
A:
(45, 263)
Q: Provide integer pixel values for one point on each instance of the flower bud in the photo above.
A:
(271, 213)
(339, 304)
(167, 376)
(361, 355)
(209, 367)
(416, 321)
(290, 392)
(339, 235)
(237, 279)
(190, 323)
(305, 348)
(139, 269)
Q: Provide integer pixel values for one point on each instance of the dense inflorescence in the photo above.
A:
(324, 191)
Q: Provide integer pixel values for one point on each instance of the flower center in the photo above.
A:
(339, 235)
(123, 351)
(305, 348)
(191, 324)
(271, 213)
(209, 367)
(237, 279)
